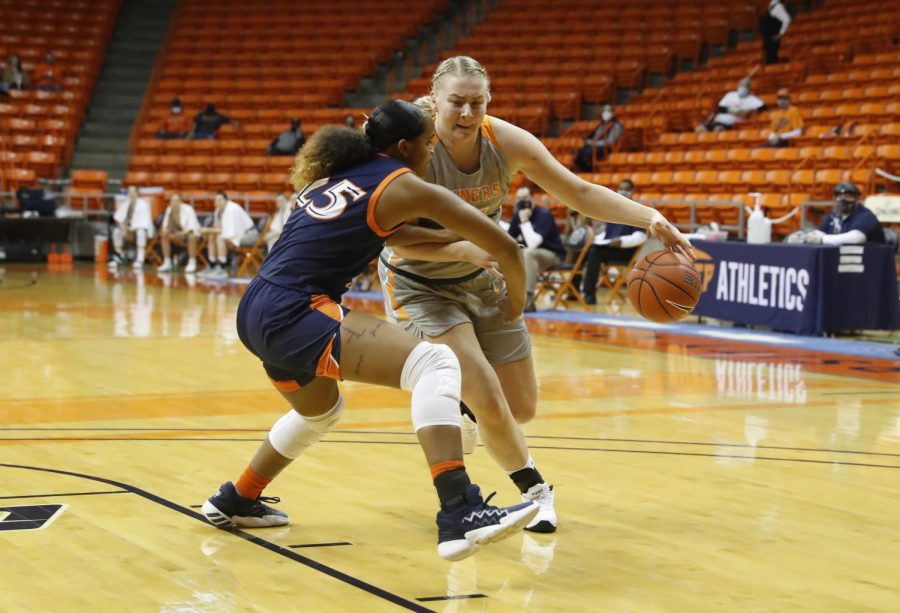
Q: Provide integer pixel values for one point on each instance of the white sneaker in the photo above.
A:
(191, 267)
(112, 265)
(166, 266)
(469, 431)
(219, 273)
(138, 265)
(545, 520)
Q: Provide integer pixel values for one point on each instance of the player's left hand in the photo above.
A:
(670, 236)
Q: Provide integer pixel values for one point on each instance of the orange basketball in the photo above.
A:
(664, 286)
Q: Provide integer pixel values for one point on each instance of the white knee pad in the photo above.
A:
(432, 373)
(293, 433)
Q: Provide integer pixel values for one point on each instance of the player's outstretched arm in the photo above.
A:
(408, 198)
(528, 154)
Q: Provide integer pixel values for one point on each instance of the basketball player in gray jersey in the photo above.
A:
(449, 291)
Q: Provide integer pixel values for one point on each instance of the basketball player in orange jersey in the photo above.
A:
(442, 294)
(445, 289)
(357, 188)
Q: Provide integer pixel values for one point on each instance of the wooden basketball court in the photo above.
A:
(691, 473)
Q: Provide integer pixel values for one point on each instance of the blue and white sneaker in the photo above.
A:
(462, 531)
(228, 509)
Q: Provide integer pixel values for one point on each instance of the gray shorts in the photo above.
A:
(430, 309)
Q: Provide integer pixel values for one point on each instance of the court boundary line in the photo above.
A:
(66, 494)
(550, 447)
(308, 562)
(599, 439)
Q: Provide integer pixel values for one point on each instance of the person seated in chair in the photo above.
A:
(600, 141)
(232, 228)
(176, 124)
(849, 223)
(283, 210)
(133, 224)
(613, 243)
(535, 228)
(180, 227)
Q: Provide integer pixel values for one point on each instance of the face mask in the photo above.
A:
(783, 103)
(523, 204)
(606, 115)
(845, 206)
(625, 192)
(176, 110)
(743, 92)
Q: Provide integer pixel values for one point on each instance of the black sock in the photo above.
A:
(467, 411)
(451, 488)
(526, 478)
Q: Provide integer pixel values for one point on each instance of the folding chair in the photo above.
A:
(615, 283)
(252, 257)
(559, 279)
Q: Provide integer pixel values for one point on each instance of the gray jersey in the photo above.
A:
(484, 189)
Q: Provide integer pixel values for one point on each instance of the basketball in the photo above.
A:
(664, 286)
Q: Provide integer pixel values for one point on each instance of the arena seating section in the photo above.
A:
(38, 128)
(843, 68)
(265, 63)
(261, 64)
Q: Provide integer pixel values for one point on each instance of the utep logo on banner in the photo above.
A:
(29, 517)
(706, 266)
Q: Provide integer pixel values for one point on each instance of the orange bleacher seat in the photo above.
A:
(44, 164)
(138, 178)
(14, 178)
(889, 153)
(219, 181)
(88, 187)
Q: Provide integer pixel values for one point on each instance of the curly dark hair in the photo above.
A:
(328, 151)
(333, 149)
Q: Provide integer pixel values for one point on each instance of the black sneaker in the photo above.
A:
(228, 509)
(462, 531)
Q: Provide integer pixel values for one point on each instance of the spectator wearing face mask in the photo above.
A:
(773, 24)
(613, 244)
(849, 223)
(733, 108)
(786, 121)
(176, 125)
(534, 227)
(48, 76)
(601, 140)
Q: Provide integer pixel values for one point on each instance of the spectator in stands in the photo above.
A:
(289, 141)
(535, 228)
(14, 76)
(180, 227)
(786, 121)
(232, 228)
(849, 223)
(773, 24)
(133, 225)
(733, 108)
(601, 140)
(613, 244)
(208, 121)
(48, 76)
(176, 125)
(283, 210)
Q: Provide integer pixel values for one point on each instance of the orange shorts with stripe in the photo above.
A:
(297, 335)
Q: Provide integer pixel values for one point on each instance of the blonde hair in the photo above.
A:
(459, 66)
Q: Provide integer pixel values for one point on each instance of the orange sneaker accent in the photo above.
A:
(250, 485)
(442, 467)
